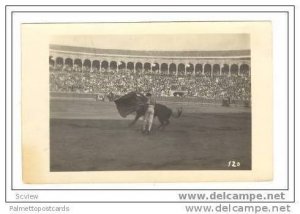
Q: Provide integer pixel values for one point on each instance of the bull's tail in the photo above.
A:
(178, 113)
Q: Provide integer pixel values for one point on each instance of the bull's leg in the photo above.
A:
(161, 123)
(137, 116)
(160, 126)
(166, 122)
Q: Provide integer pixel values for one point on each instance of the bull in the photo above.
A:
(136, 102)
(162, 112)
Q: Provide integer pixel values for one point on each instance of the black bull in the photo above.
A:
(162, 112)
(136, 102)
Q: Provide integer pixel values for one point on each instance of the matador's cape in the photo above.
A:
(129, 103)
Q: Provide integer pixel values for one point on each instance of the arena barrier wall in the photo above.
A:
(95, 96)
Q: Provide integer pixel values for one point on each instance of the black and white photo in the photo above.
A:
(150, 102)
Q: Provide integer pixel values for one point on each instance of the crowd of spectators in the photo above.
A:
(121, 82)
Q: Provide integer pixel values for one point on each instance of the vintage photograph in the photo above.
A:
(150, 102)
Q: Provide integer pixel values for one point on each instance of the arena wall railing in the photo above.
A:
(103, 97)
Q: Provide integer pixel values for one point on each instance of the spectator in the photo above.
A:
(123, 81)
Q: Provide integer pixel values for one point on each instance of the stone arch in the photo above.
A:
(147, 67)
(77, 67)
(68, 65)
(172, 69)
(130, 66)
(78, 62)
(138, 67)
(87, 65)
(69, 62)
(164, 68)
(190, 69)
(59, 61)
(216, 70)
(155, 67)
(121, 66)
(104, 65)
(198, 69)
(181, 69)
(234, 69)
(244, 70)
(95, 65)
(51, 62)
(207, 70)
(113, 66)
(225, 70)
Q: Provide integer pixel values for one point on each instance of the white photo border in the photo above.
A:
(11, 109)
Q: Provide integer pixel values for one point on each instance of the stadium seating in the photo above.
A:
(238, 88)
